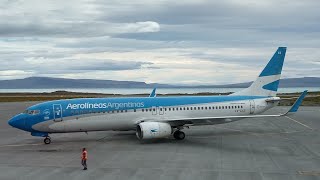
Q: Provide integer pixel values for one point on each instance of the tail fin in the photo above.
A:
(268, 81)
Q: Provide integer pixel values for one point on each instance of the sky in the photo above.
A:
(173, 42)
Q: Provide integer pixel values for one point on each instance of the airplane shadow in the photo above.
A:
(208, 139)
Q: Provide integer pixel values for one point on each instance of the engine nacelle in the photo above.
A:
(152, 130)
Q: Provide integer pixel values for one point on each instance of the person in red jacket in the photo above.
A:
(84, 157)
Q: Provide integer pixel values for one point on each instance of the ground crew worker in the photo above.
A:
(84, 157)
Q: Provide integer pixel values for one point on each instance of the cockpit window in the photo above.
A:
(31, 112)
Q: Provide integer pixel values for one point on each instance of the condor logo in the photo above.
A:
(154, 130)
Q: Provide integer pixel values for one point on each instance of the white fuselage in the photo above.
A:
(128, 119)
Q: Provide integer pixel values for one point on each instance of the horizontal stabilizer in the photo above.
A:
(273, 99)
(298, 102)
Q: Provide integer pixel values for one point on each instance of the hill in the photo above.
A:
(47, 82)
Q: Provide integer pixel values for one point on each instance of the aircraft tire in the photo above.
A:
(179, 135)
(47, 140)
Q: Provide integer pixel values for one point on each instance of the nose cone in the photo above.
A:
(17, 122)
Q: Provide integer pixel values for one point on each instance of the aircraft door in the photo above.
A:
(57, 112)
(161, 110)
(154, 110)
(252, 106)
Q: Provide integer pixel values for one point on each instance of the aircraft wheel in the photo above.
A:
(47, 140)
(179, 135)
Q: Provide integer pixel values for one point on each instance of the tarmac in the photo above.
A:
(266, 148)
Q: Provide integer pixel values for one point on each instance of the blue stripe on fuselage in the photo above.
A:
(110, 104)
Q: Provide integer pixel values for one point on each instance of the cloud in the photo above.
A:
(203, 42)
(73, 28)
(142, 27)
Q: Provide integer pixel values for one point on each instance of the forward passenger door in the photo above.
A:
(57, 112)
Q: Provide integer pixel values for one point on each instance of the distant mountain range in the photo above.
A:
(48, 83)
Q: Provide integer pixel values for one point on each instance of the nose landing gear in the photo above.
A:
(47, 140)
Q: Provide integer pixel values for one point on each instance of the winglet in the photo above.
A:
(298, 102)
(153, 93)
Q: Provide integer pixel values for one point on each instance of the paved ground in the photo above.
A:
(273, 148)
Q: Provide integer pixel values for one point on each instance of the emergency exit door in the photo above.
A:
(161, 110)
(57, 112)
(252, 106)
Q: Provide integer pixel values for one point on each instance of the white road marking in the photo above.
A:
(299, 122)
(309, 173)
(17, 145)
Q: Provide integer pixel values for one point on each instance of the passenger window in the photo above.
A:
(198, 108)
(146, 110)
(122, 111)
(165, 109)
(177, 109)
(184, 108)
(169, 109)
(201, 108)
(142, 110)
(160, 109)
(154, 109)
(209, 107)
(134, 110)
(206, 107)
(187, 109)
(180, 109)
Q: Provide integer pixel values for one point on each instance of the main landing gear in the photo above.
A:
(179, 135)
(47, 140)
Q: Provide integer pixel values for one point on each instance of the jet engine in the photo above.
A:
(152, 130)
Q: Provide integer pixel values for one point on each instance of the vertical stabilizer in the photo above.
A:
(268, 81)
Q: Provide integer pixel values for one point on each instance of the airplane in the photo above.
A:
(157, 117)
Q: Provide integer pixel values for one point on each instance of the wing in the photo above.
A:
(225, 119)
